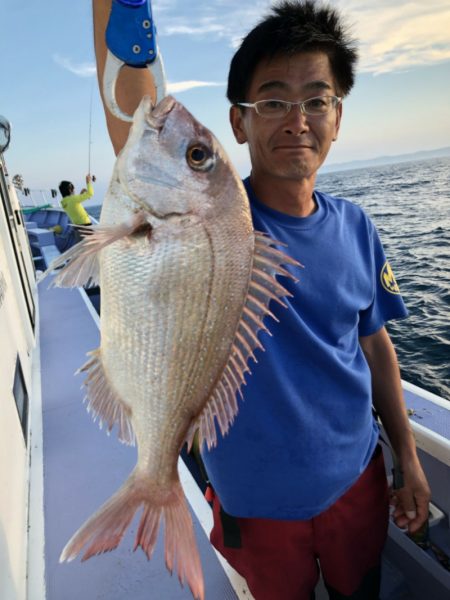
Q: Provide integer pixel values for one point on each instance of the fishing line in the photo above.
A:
(90, 129)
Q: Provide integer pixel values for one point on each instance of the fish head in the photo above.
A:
(172, 164)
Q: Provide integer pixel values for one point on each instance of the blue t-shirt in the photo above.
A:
(305, 431)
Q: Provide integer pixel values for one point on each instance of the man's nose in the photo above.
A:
(296, 122)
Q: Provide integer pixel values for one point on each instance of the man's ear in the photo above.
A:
(237, 125)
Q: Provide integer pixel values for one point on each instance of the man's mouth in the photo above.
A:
(292, 147)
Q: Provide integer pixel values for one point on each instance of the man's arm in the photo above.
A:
(83, 195)
(412, 500)
(132, 83)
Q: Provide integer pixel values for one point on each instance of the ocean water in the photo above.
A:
(410, 205)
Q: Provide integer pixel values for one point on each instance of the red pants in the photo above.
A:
(280, 559)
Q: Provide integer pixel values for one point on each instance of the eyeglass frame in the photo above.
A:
(301, 104)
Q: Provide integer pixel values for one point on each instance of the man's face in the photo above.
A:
(292, 147)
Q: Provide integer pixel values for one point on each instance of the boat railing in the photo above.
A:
(37, 198)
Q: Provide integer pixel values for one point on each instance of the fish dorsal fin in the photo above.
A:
(263, 287)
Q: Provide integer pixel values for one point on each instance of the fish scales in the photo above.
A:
(186, 284)
(165, 333)
(175, 304)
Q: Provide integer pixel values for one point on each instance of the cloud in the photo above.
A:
(81, 69)
(400, 36)
(229, 20)
(89, 69)
(201, 29)
(392, 36)
(183, 86)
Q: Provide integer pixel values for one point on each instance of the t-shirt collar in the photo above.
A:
(283, 218)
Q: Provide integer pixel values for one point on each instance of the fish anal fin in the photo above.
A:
(103, 403)
(222, 406)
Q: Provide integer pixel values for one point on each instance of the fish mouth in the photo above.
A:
(157, 116)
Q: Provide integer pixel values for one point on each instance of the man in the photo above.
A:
(299, 480)
(72, 203)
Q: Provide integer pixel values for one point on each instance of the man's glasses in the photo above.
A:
(276, 109)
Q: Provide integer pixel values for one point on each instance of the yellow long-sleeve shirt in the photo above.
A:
(73, 207)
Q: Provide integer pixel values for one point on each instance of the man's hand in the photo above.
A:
(411, 501)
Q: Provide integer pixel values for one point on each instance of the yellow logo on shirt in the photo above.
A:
(388, 279)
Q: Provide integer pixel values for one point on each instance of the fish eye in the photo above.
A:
(199, 157)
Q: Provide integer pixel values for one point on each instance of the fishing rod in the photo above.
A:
(131, 40)
(90, 131)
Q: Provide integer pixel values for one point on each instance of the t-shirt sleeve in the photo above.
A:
(387, 302)
(78, 198)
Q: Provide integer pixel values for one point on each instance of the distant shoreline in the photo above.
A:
(94, 209)
(386, 160)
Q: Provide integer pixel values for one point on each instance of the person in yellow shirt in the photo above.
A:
(72, 203)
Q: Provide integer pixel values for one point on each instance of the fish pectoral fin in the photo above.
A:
(103, 403)
(105, 529)
(79, 265)
(222, 405)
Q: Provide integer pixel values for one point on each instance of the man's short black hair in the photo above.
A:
(66, 188)
(292, 27)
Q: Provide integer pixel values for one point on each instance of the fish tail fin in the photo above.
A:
(181, 553)
(105, 529)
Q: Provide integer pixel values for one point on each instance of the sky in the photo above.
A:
(48, 89)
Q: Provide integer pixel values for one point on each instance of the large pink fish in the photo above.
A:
(185, 285)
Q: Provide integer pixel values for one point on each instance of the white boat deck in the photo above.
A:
(83, 467)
